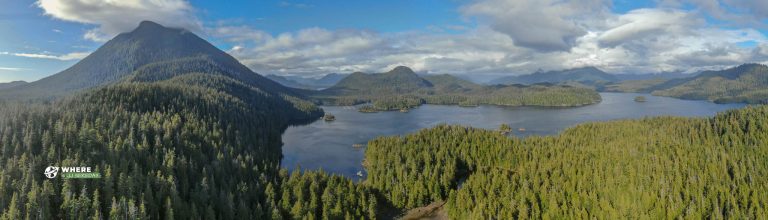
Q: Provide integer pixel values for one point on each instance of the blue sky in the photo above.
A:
(481, 37)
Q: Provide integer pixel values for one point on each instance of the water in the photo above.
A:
(328, 145)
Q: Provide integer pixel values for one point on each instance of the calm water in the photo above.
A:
(328, 145)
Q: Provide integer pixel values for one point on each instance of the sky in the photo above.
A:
(465, 37)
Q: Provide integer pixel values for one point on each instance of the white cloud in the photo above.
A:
(64, 57)
(11, 69)
(647, 23)
(615, 47)
(735, 12)
(114, 17)
(544, 25)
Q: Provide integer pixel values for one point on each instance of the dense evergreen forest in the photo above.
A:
(654, 168)
(402, 88)
(175, 149)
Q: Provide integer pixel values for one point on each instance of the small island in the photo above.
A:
(640, 99)
(329, 117)
(505, 129)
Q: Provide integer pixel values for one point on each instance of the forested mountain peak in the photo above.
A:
(398, 80)
(147, 44)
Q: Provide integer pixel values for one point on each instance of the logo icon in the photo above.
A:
(51, 172)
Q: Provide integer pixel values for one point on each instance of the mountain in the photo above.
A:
(582, 75)
(745, 83)
(402, 88)
(398, 80)
(11, 84)
(128, 52)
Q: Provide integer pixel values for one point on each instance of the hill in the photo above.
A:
(745, 83)
(588, 75)
(402, 88)
(11, 84)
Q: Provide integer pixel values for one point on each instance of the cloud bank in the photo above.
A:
(503, 37)
(516, 37)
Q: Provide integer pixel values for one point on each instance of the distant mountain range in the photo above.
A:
(402, 88)
(587, 76)
(308, 82)
(582, 75)
(12, 84)
(746, 83)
